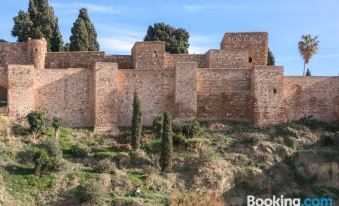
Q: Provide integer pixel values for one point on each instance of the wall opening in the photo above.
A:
(274, 91)
(250, 59)
(3, 97)
(155, 55)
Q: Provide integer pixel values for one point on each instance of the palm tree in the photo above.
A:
(308, 46)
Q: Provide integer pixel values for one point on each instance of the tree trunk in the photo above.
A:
(56, 133)
(304, 74)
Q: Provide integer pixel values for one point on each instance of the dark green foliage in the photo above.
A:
(166, 144)
(329, 139)
(56, 41)
(3, 41)
(42, 162)
(22, 26)
(270, 58)
(179, 139)
(79, 38)
(176, 39)
(84, 36)
(312, 123)
(308, 72)
(157, 125)
(80, 150)
(136, 123)
(37, 123)
(191, 129)
(38, 22)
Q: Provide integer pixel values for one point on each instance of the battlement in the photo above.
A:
(92, 89)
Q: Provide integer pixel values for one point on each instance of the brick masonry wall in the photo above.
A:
(186, 91)
(316, 96)
(149, 55)
(3, 77)
(124, 61)
(21, 91)
(106, 108)
(227, 59)
(256, 43)
(172, 59)
(155, 89)
(13, 53)
(66, 93)
(224, 94)
(267, 92)
(64, 60)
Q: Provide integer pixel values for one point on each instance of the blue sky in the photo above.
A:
(120, 23)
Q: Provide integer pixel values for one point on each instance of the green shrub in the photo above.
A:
(52, 146)
(18, 130)
(91, 193)
(80, 150)
(26, 156)
(37, 122)
(42, 162)
(312, 123)
(157, 125)
(105, 166)
(179, 139)
(191, 129)
(196, 142)
(56, 125)
(286, 130)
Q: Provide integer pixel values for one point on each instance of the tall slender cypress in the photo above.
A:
(166, 144)
(136, 122)
(56, 42)
(80, 36)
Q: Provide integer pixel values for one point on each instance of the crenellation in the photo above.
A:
(92, 89)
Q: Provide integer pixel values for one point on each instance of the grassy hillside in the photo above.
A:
(215, 163)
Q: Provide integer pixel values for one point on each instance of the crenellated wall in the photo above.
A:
(91, 89)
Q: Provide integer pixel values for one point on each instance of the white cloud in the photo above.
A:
(194, 8)
(199, 44)
(95, 8)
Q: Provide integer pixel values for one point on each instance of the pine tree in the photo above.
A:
(38, 22)
(79, 38)
(136, 122)
(176, 40)
(270, 58)
(57, 43)
(166, 144)
(90, 36)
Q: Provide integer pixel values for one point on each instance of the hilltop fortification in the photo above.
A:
(92, 89)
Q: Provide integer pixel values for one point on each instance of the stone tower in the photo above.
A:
(37, 49)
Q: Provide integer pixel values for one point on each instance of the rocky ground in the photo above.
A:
(220, 163)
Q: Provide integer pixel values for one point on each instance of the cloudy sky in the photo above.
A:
(120, 23)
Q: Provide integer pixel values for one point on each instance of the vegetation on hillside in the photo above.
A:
(213, 163)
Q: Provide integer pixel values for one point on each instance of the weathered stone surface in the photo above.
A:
(91, 89)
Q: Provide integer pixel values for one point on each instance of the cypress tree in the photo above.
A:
(136, 123)
(38, 22)
(166, 144)
(22, 26)
(79, 38)
(90, 37)
(56, 41)
(308, 72)
(270, 58)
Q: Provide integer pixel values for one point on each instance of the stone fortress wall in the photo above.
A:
(91, 89)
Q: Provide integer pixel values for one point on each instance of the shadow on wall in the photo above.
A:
(68, 94)
(316, 96)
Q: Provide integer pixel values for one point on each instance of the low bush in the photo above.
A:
(91, 193)
(329, 139)
(42, 162)
(80, 150)
(179, 139)
(252, 138)
(105, 166)
(157, 125)
(37, 123)
(314, 124)
(196, 143)
(52, 145)
(191, 129)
